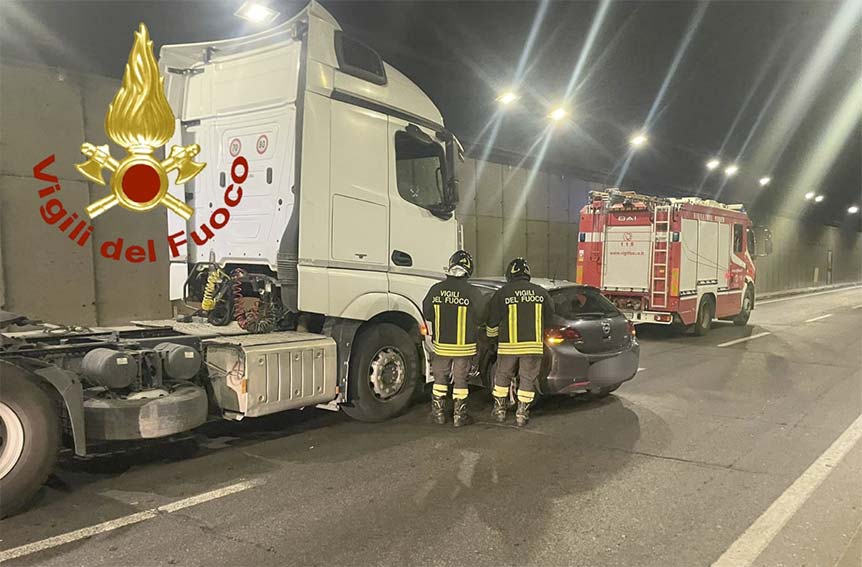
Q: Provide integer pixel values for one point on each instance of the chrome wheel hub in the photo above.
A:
(388, 373)
(11, 439)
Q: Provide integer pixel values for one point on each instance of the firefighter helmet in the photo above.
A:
(518, 268)
(460, 264)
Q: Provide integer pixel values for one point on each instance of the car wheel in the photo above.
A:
(384, 374)
(705, 312)
(29, 440)
(747, 303)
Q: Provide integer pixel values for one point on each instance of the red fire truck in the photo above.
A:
(670, 261)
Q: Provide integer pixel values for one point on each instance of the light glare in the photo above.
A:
(809, 195)
(507, 98)
(638, 140)
(256, 13)
(764, 181)
(731, 170)
(558, 114)
(853, 209)
(712, 164)
(818, 198)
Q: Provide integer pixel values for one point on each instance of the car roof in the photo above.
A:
(549, 284)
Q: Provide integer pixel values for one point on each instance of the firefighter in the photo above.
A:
(516, 318)
(451, 311)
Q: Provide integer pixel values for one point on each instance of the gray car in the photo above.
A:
(590, 346)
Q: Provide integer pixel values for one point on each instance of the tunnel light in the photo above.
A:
(809, 195)
(507, 98)
(731, 170)
(818, 198)
(712, 164)
(765, 180)
(256, 13)
(558, 114)
(852, 209)
(638, 140)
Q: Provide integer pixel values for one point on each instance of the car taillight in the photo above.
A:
(632, 329)
(558, 335)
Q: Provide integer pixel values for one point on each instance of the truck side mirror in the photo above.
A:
(762, 241)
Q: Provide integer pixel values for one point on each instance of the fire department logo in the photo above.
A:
(140, 120)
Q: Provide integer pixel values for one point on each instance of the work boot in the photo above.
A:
(500, 407)
(438, 409)
(522, 414)
(461, 417)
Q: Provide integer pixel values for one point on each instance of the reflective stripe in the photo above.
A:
(440, 390)
(445, 349)
(436, 330)
(525, 396)
(492, 331)
(513, 323)
(462, 325)
(538, 322)
(520, 348)
(460, 393)
(501, 391)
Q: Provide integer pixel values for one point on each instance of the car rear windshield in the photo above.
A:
(581, 302)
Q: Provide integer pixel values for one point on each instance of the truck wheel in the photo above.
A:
(29, 440)
(704, 317)
(384, 373)
(747, 302)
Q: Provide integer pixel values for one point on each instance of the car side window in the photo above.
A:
(751, 243)
(572, 303)
(737, 238)
(419, 171)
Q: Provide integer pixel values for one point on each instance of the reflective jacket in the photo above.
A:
(453, 309)
(517, 315)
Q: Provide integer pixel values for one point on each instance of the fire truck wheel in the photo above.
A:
(747, 301)
(705, 312)
(29, 439)
(384, 373)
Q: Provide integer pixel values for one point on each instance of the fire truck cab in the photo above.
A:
(683, 261)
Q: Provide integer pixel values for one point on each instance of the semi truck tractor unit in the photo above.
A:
(309, 296)
(683, 261)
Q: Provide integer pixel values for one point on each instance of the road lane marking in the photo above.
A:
(804, 295)
(641, 369)
(123, 521)
(760, 534)
(818, 318)
(743, 339)
(858, 306)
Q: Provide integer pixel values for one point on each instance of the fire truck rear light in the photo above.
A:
(423, 329)
(663, 318)
(632, 329)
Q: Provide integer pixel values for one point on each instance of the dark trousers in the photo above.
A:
(456, 366)
(526, 368)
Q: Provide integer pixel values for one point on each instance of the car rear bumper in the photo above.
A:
(571, 371)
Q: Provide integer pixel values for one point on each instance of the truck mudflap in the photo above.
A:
(144, 415)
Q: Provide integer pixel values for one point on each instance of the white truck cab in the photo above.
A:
(347, 209)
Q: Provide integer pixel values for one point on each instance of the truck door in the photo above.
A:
(420, 242)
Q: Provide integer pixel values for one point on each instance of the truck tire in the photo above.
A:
(747, 304)
(384, 373)
(705, 313)
(123, 419)
(29, 439)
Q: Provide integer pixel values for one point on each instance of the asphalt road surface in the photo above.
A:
(735, 455)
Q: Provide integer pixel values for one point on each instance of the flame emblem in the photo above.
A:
(140, 120)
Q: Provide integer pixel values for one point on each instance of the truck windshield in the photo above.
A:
(420, 171)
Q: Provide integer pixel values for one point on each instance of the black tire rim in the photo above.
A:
(387, 373)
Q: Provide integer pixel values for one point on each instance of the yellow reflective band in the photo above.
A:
(460, 393)
(538, 322)
(441, 388)
(462, 324)
(492, 331)
(525, 396)
(520, 348)
(501, 391)
(513, 323)
(436, 332)
(445, 349)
